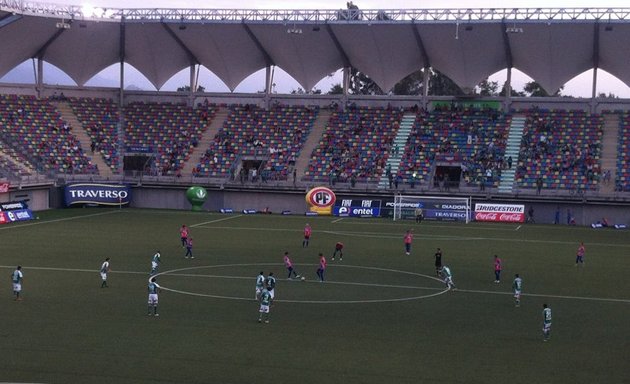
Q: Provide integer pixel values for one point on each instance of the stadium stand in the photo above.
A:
(168, 131)
(477, 136)
(355, 144)
(272, 137)
(622, 179)
(560, 150)
(34, 130)
(99, 118)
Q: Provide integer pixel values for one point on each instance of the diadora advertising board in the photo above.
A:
(505, 213)
(439, 210)
(100, 194)
(347, 207)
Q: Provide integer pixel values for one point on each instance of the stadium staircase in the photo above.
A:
(77, 129)
(319, 126)
(512, 148)
(610, 150)
(393, 161)
(207, 138)
(13, 165)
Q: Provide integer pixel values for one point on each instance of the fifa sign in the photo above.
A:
(320, 200)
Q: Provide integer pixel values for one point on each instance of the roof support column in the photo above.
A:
(508, 90)
(595, 66)
(39, 76)
(193, 85)
(346, 80)
(121, 98)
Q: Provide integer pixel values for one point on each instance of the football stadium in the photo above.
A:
(418, 223)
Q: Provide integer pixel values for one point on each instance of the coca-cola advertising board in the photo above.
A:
(504, 213)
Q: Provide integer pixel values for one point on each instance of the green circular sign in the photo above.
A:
(197, 196)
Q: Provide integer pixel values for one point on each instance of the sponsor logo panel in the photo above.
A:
(101, 194)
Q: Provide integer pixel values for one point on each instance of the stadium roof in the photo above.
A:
(550, 45)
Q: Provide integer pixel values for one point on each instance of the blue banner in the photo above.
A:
(101, 194)
(357, 208)
(16, 215)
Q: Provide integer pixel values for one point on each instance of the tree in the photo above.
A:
(533, 89)
(513, 93)
(410, 85)
(361, 84)
(487, 88)
(336, 89)
(441, 85)
(610, 95)
(186, 88)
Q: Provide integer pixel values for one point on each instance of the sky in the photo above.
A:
(579, 86)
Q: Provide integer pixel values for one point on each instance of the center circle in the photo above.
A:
(436, 291)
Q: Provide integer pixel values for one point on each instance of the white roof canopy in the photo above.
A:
(550, 45)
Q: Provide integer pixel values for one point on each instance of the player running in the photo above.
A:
(579, 256)
(260, 285)
(307, 235)
(270, 284)
(517, 287)
(289, 265)
(265, 304)
(546, 322)
(338, 251)
(189, 247)
(447, 276)
(155, 263)
(183, 235)
(104, 270)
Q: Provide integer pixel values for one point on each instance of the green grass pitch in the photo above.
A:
(381, 317)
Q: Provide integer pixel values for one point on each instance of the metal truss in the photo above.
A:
(318, 16)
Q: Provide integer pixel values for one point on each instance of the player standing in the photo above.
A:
(322, 267)
(189, 247)
(408, 239)
(265, 304)
(154, 289)
(498, 266)
(546, 322)
(270, 283)
(289, 265)
(307, 235)
(517, 287)
(438, 261)
(16, 277)
(104, 270)
(338, 251)
(579, 256)
(448, 277)
(260, 284)
(183, 235)
(155, 263)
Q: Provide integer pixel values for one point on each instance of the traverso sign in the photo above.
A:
(101, 194)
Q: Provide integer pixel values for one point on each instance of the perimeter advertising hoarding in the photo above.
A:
(100, 194)
(504, 213)
(16, 215)
(357, 208)
(438, 210)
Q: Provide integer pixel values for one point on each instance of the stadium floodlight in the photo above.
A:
(63, 25)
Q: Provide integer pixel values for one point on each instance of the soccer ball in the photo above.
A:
(303, 278)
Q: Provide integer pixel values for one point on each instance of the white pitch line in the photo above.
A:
(216, 221)
(336, 221)
(173, 273)
(517, 228)
(15, 226)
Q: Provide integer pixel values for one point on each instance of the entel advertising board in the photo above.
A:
(100, 194)
(504, 213)
(357, 208)
(16, 215)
